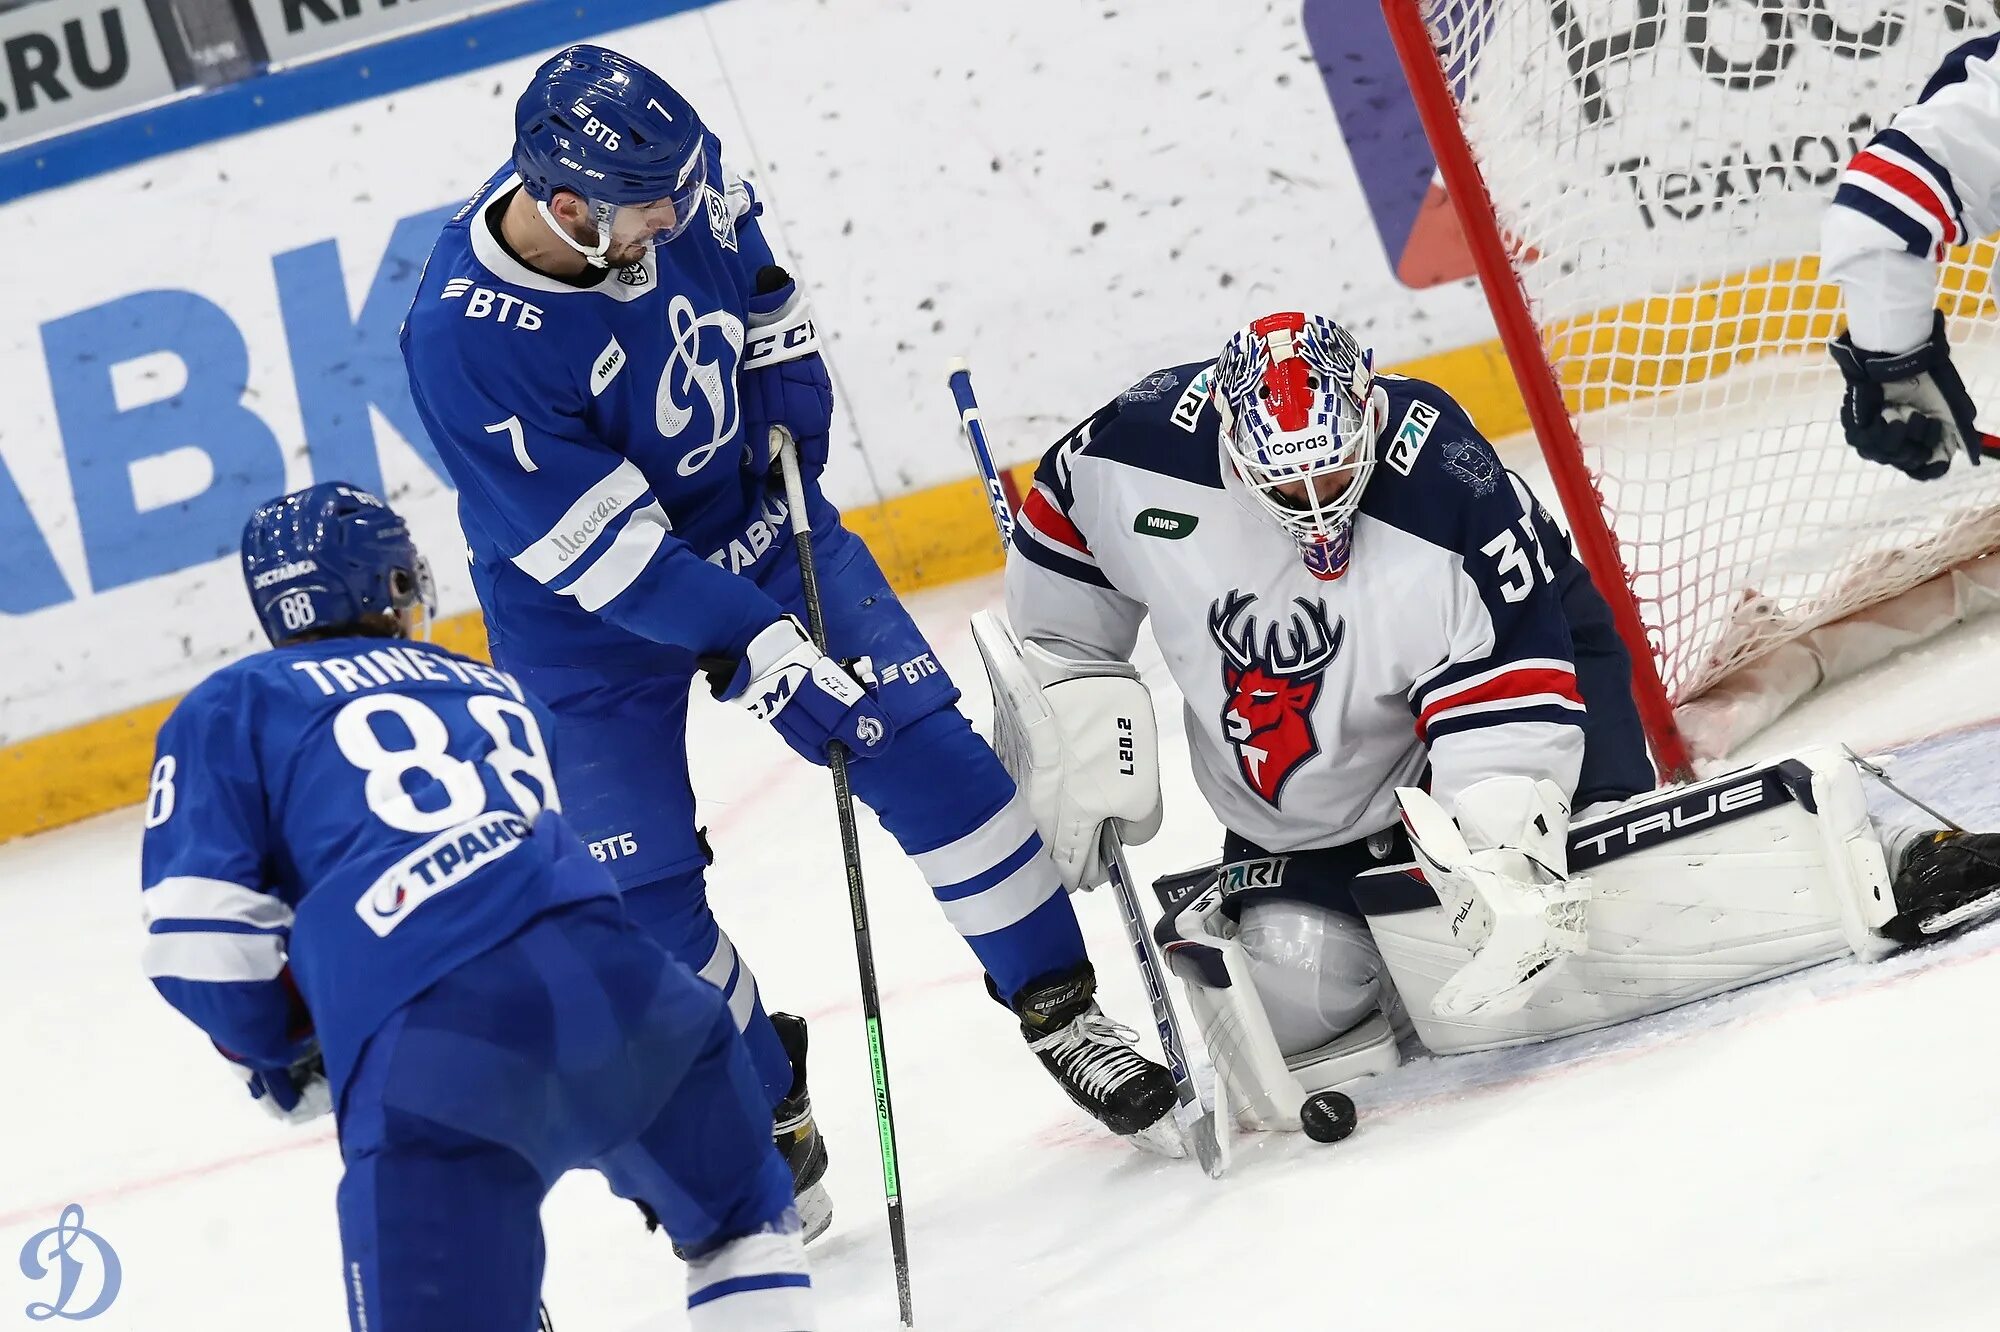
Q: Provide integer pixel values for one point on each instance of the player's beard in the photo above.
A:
(625, 254)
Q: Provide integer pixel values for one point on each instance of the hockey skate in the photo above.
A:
(1094, 1061)
(798, 1137)
(1945, 879)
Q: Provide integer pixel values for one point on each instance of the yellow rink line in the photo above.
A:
(923, 539)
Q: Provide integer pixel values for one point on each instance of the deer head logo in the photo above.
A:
(1272, 684)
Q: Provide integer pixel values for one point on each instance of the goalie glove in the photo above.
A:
(1501, 872)
(1079, 740)
(1908, 410)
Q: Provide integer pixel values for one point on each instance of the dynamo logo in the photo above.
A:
(84, 1267)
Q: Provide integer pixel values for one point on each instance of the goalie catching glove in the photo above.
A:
(1079, 740)
(1501, 872)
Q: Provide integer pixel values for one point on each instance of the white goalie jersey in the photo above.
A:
(1448, 642)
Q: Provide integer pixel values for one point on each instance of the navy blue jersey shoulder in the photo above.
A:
(1435, 475)
(1163, 424)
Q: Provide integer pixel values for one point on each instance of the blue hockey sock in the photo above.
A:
(942, 793)
(675, 913)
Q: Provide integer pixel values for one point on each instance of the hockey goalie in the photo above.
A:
(1407, 706)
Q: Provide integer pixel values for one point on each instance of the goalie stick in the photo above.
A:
(1203, 1127)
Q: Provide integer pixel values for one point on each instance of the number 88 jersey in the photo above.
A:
(360, 815)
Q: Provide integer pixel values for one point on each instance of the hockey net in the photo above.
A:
(1642, 182)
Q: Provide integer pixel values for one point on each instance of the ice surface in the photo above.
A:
(1817, 1153)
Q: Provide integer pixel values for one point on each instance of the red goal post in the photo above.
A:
(1640, 186)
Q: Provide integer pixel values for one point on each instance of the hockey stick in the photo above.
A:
(857, 903)
(1198, 1123)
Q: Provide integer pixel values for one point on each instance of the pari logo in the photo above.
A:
(82, 1267)
(1270, 686)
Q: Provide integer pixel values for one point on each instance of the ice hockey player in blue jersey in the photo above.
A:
(359, 883)
(600, 347)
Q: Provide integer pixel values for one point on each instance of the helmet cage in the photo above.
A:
(1299, 403)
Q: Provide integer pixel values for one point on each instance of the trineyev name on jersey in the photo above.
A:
(1309, 701)
(606, 486)
(372, 812)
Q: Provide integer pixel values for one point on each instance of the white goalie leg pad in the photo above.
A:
(1694, 890)
(1256, 1081)
(1079, 740)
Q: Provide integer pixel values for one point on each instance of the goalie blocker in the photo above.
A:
(1671, 897)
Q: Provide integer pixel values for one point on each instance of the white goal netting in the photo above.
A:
(1658, 171)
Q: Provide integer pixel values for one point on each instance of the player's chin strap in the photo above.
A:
(601, 214)
(1516, 893)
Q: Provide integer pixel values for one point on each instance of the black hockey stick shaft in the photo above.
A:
(1203, 1128)
(857, 900)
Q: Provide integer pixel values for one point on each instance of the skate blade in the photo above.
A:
(1973, 910)
(1162, 1137)
(815, 1207)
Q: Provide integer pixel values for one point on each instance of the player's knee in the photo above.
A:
(928, 781)
(1316, 971)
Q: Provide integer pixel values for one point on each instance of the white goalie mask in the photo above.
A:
(1300, 415)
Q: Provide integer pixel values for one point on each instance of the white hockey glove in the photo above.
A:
(1078, 738)
(1501, 871)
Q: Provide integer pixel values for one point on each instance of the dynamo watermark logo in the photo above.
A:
(82, 1266)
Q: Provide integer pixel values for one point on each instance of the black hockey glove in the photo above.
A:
(1910, 410)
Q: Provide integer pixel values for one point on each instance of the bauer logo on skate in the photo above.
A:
(83, 1267)
(1270, 686)
(445, 861)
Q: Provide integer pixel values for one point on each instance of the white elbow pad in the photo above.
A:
(1078, 738)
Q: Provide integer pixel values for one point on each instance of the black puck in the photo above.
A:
(1327, 1116)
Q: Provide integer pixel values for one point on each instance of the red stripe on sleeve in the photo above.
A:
(1051, 522)
(1908, 184)
(1524, 683)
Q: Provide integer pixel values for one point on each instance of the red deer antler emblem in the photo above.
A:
(1272, 686)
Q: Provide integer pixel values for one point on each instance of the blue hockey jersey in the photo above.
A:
(611, 500)
(353, 817)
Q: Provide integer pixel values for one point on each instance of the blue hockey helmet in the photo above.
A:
(609, 130)
(323, 558)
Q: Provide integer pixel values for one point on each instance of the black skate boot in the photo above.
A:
(798, 1137)
(1944, 879)
(1093, 1060)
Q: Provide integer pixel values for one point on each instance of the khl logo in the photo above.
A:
(69, 1253)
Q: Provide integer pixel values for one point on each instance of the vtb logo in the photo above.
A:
(1271, 686)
